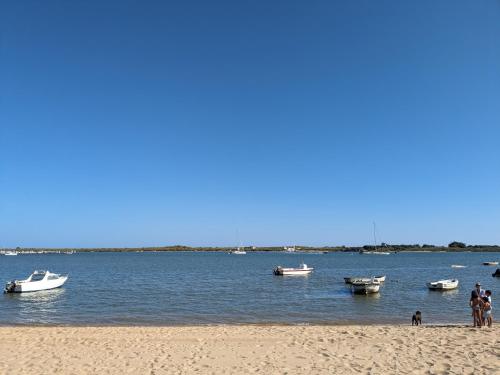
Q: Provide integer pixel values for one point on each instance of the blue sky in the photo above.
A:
(129, 123)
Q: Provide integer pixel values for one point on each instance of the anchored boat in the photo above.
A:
(302, 270)
(38, 280)
(365, 286)
(443, 284)
(238, 252)
(11, 253)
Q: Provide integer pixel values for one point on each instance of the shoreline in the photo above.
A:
(226, 325)
(230, 349)
(304, 250)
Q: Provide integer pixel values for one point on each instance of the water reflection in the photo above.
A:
(37, 307)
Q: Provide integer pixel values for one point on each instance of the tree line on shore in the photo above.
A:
(453, 246)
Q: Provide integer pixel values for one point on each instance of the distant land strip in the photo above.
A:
(452, 247)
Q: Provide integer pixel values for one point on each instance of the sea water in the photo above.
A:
(182, 288)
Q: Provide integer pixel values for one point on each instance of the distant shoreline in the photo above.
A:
(301, 249)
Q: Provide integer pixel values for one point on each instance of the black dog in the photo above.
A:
(416, 319)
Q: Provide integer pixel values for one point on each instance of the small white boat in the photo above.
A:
(365, 287)
(376, 253)
(238, 251)
(38, 280)
(289, 249)
(490, 263)
(10, 253)
(380, 279)
(443, 284)
(457, 266)
(302, 270)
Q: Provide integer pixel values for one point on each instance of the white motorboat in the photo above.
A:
(490, 263)
(380, 279)
(10, 253)
(365, 287)
(238, 251)
(443, 284)
(38, 280)
(457, 266)
(302, 270)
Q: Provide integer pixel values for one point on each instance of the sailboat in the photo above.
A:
(375, 251)
(240, 250)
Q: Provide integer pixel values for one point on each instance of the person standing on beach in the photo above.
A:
(476, 293)
(475, 303)
(487, 309)
(486, 318)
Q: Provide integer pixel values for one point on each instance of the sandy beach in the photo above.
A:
(250, 349)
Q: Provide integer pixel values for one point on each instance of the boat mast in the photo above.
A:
(375, 236)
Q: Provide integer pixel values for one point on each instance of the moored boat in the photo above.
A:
(443, 284)
(457, 266)
(10, 253)
(365, 287)
(302, 270)
(238, 251)
(490, 263)
(38, 280)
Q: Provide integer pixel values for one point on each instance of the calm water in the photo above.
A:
(208, 288)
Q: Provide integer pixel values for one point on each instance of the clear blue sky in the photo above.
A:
(132, 123)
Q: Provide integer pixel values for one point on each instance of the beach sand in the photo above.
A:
(250, 349)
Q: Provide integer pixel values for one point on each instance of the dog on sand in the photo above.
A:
(416, 319)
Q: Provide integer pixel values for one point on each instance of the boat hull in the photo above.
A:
(362, 288)
(443, 285)
(279, 271)
(292, 273)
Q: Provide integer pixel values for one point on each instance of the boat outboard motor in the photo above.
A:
(9, 288)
